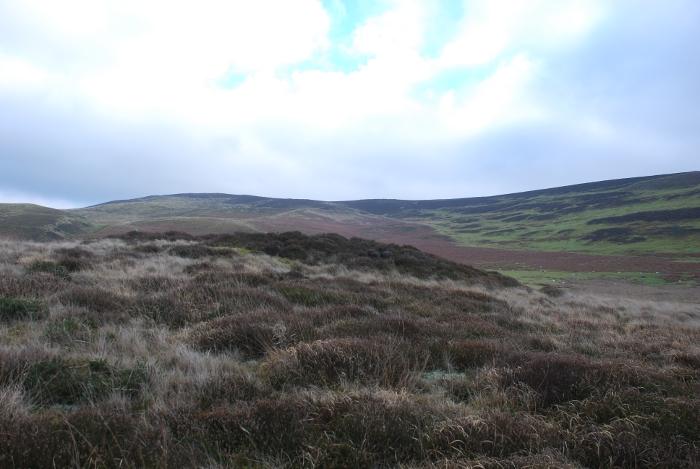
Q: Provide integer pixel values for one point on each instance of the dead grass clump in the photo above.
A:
(466, 326)
(225, 279)
(204, 266)
(460, 389)
(473, 302)
(148, 248)
(74, 264)
(331, 314)
(100, 436)
(369, 430)
(191, 251)
(542, 344)
(498, 435)
(154, 284)
(552, 291)
(94, 299)
(552, 376)
(235, 333)
(626, 442)
(168, 308)
(449, 300)
(228, 389)
(36, 285)
(236, 300)
(74, 259)
(15, 363)
(310, 297)
(467, 354)
(263, 426)
(687, 360)
(337, 361)
(382, 327)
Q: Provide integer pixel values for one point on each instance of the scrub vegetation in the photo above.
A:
(286, 350)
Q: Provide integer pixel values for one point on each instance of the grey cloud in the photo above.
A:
(638, 72)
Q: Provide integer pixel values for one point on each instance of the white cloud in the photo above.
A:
(17, 74)
(491, 27)
(396, 31)
(489, 102)
(507, 64)
(163, 55)
(165, 59)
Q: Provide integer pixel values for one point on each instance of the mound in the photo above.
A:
(353, 253)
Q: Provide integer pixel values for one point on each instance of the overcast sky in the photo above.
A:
(338, 100)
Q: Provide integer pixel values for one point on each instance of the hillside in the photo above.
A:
(651, 215)
(636, 226)
(29, 221)
(290, 351)
(658, 214)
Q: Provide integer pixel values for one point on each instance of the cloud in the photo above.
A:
(296, 98)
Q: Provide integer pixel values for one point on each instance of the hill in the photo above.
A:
(650, 215)
(657, 214)
(635, 226)
(29, 221)
(293, 351)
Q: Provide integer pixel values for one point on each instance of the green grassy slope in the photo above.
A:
(211, 213)
(29, 221)
(659, 214)
(202, 205)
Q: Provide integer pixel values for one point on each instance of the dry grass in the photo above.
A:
(173, 351)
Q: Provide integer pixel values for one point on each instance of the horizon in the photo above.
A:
(342, 100)
(180, 194)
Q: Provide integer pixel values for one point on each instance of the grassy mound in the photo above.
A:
(354, 253)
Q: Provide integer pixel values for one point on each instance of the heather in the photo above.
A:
(286, 350)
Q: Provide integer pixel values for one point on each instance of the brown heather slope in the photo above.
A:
(288, 351)
(428, 240)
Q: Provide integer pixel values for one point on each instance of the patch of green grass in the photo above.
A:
(13, 309)
(535, 277)
(65, 381)
(49, 267)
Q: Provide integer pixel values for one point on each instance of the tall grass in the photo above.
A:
(166, 350)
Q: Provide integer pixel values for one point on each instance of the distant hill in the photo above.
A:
(656, 214)
(29, 221)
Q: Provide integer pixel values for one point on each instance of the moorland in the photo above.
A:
(627, 228)
(286, 350)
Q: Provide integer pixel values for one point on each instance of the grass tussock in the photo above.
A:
(282, 350)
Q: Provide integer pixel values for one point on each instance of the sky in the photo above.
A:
(342, 100)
